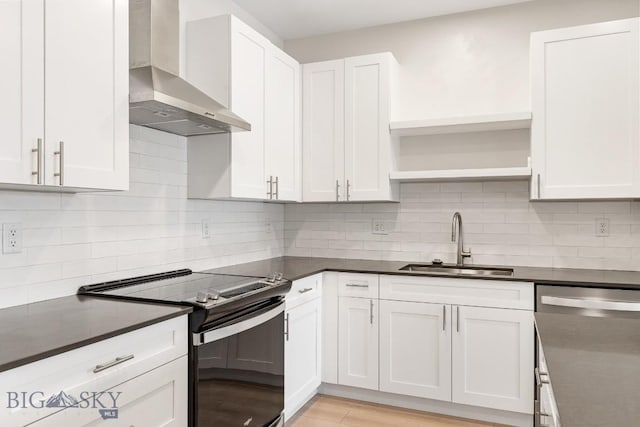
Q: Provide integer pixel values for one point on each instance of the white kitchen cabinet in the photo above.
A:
(303, 352)
(493, 357)
(415, 349)
(156, 398)
(585, 135)
(282, 125)
(76, 371)
(347, 146)
(59, 95)
(358, 325)
(236, 65)
(22, 88)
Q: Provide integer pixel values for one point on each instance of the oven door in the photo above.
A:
(239, 378)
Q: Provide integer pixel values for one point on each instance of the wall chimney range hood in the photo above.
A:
(158, 97)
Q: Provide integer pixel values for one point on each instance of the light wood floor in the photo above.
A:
(328, 411)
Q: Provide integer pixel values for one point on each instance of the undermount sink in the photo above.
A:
(458, 270)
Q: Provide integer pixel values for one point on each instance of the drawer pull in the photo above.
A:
(116, 361)
(356, 285)
(305, 290)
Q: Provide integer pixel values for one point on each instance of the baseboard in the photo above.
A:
(428, 405)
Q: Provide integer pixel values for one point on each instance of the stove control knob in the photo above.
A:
(214, 295)
(202, 297)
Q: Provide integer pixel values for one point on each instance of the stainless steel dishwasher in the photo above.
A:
(578, 301)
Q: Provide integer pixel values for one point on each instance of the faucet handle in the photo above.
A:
(466, 254)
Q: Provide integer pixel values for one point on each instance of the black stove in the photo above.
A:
(237, 335)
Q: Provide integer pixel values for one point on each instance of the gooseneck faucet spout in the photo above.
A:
(456, 224)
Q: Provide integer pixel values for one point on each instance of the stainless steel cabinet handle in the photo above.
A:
(277, 189)
(38, 171)
(538, 186)
(60, 154)
(371, 311)
(539, 376)
(593, 304)
(305, 290)
(457, 319)
(337, 191)
(348, 190)
(286, 327)
(356, 285)
(114, 362)
(444, 317)
(270, 192)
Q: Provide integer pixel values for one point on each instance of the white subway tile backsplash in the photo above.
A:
(501, 226)
(76, 239)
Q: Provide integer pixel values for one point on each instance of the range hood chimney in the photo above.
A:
(158, 97)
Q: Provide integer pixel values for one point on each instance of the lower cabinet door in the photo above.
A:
(415, 349)
(358, 342)
(302, 354)
(156, 398)
(493, 358)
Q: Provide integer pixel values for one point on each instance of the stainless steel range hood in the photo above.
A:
(158, 97)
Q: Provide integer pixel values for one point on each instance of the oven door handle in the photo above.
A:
(236, 328)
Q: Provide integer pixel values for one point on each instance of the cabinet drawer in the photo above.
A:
(74, 372)
(303, 290)
(358, 285)
(482, 293)
(157, 398)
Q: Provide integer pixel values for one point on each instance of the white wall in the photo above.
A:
(468, 63)
(191, 10)
(76, 239)
(500, 226)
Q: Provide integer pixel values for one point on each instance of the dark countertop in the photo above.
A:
(297, 267)
(594, 368)
(39, 330)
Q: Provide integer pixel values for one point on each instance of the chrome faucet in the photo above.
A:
(461, 254)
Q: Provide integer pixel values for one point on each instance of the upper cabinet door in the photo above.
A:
(323, 131)
(21, 86)
(282, 124)
(585, 100)
(87, 93)
(248, 53)
(367, 137)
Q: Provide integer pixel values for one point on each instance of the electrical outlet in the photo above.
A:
(206, 232)
(602, 227)
(268, 227)
(12, 238)
(378, 227)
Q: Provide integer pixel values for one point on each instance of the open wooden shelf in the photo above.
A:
(482, 123)
(462, 174)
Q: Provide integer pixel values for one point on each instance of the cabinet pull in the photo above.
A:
(371, 311)
(38, 171)
(539, 376)
(337, 191)
(114, 362)
(286, 327)
(348, 190)
(305, 290)
(277, 189)
(444, 318)
(60, 154)
(457, 319)
(270, 182)
(356, 285)
(538, 186)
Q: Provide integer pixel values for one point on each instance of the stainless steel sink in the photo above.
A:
(458, 270)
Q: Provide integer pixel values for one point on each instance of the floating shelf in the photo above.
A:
(461, 174)
(492, 122)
